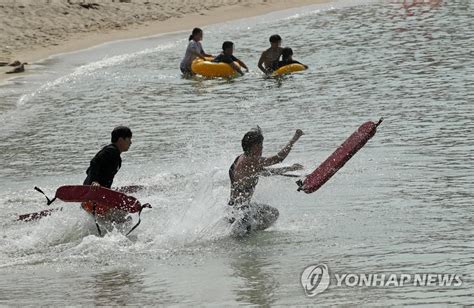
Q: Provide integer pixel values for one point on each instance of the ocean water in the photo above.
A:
(402, 205)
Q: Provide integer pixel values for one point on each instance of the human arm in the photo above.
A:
(203, 53)
(242, 64)
(231, 60)
(268, 161)
(103, 167)
(260, 63)
(196, 50)
(94, 170)
(280, 171)
(236, 68)
(197, 54)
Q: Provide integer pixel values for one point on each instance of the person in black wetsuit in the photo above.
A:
(102, 170)
(244, 174)
(107, 162)
(287, 58)
(227, 57)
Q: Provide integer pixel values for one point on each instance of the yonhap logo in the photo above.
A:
(315, 279)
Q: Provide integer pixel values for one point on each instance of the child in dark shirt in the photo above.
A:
(287, 58)
(227, 57)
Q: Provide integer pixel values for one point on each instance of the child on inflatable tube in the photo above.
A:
(227, 56)
(287, 58)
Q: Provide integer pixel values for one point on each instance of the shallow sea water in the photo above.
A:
(403, 204)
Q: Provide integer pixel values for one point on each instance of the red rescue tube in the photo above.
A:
(337, 159)
(104, 198)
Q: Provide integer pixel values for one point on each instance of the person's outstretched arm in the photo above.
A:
(280, 171)
(206, 54)
(196, 50)
(198, 54)
(242, 64)
(268, 161)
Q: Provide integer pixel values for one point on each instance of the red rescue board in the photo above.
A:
(94, 199)
(105, 199)
(337, 159)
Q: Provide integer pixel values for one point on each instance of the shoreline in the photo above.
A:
(83, 40)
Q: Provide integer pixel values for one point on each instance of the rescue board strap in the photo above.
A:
(146, 205)
(95, 218)
(49, 200)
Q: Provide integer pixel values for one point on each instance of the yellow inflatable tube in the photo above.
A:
(210, 69)
(287, 69)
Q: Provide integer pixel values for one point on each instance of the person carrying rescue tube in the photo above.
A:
(270, 57)
(227, 57)
(193, 51)
(244, 174)
(287, 58)
(107, 162)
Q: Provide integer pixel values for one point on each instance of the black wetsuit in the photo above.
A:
(103, 167)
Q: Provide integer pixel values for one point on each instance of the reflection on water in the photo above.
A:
(403, 203)
(116, 288)
(258, 285)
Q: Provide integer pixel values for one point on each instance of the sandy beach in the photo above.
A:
(33, 30)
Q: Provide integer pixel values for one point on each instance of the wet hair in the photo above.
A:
(121, 132)
(195, 32)
(275, 38)
(286, 53)
(251, 138)
(227, 45)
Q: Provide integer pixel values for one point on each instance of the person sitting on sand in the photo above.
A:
(287, 58)
(227, 57)
(193, 51)
(18, 67)
(107, 162)
(244, 174)
(270, 57)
